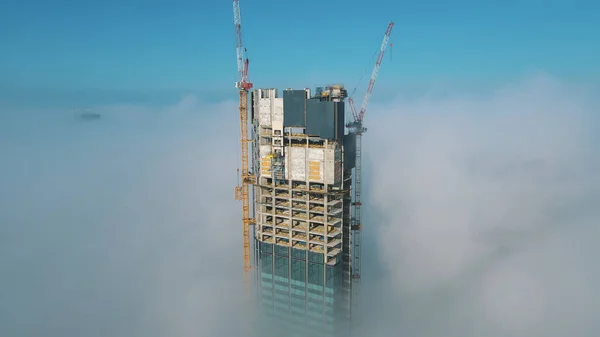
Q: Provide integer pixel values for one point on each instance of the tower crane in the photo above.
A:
(356, 128)
(241, 191)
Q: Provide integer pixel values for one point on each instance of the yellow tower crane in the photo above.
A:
(242, 191)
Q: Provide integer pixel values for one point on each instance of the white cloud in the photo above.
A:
(487, 202)
(122, 226)
(127, 225)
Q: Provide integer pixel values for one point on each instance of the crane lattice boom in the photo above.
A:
(242, 61)
(359, 117)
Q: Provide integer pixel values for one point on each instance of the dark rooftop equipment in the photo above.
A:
(322, 116)
(325, 119)
(294, 107)
(349, 151)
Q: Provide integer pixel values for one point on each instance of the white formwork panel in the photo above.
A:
(277, 122)
(265, 150)
(286, 164)
(297, 163)
(278, 109)
(329, 167)
(264, 111)
(315, 154)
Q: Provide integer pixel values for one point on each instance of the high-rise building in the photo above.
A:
(303, 163)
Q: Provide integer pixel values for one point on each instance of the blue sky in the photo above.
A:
(146, 50)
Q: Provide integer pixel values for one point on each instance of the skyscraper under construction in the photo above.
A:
(303, 164)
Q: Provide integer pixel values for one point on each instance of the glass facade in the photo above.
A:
(298, 294)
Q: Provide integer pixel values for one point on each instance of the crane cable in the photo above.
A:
(361, 78)
(365, 71)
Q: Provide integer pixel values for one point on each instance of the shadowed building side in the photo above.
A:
(299, 297)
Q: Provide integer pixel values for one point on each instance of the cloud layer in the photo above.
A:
(490, 211)
(482, 213)
(124, 226)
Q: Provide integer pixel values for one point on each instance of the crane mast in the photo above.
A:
(357, 129)
(242, 191)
